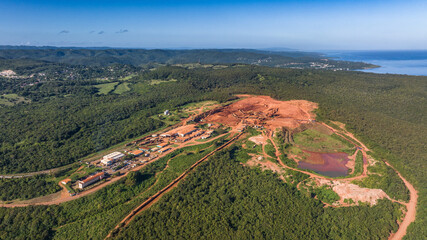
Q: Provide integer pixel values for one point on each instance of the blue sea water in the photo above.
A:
(397, 62)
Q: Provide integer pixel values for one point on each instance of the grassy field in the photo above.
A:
(169, 120)
(106, 88)
(157, 81)
(174, 118)
(121, 88)
(269, 149)
(12, 99)
(358, 167)
(196, 105)
(128, 77)
(316, 141)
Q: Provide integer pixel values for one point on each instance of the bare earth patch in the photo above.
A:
(351, 163)
(260, 139)
(259, 161)
(7, 73)
(255, 110)
(348, 190)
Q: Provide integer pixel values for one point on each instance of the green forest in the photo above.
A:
(67, 119)
(224, 200)
(137, 57)
(27, 187)
(93, 216)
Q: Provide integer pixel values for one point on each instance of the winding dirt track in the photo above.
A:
(153, 199)
(408, 219)
(411, 206)
(411, 209)
(64, 196)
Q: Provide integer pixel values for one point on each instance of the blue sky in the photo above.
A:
(303, 24)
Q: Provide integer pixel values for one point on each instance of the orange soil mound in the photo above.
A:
(289, 114)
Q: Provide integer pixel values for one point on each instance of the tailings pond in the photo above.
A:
(328, 164)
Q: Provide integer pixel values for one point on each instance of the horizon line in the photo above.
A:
(276, 49)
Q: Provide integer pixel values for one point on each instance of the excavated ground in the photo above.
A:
(252, 109)
(347, 190)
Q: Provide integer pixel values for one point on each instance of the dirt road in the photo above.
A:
(411, 209)
(411, 206)
(364, 174)
(64, 196)
(153, 199)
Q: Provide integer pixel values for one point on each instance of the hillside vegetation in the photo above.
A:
(67, 120)
(214, 204)
(136, 57)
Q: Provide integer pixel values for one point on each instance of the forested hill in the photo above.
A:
(137, 57)
(64, 113)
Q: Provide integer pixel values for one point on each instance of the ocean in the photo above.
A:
(397, 62)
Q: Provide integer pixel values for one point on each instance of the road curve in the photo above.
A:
(411, 207)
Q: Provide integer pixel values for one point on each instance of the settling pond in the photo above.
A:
(328, 164)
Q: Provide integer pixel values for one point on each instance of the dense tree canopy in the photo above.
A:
(69, 119)
(224, 200)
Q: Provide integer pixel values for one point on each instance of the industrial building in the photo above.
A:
(187, 132)
(115, 156)
(65, 181)
(164, 150)
(107, 162)
(136, 152)
(162, 145)
(145, 149)
(111, 158)
(207, 135)
(90, 180)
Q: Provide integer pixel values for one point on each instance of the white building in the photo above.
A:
(111, 158)
(107, 162)
(91, 179)
(114, 156)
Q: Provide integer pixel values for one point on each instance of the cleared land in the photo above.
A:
(106, 88)
(267, 115)
(313, 140)
(12, 99)
(123, 87)
(157, 81)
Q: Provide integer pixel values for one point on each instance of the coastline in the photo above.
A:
(386, 62)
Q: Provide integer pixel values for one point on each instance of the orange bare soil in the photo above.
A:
(270, 114)
(266, 111)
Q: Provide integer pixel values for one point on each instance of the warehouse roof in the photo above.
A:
(100, 174)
